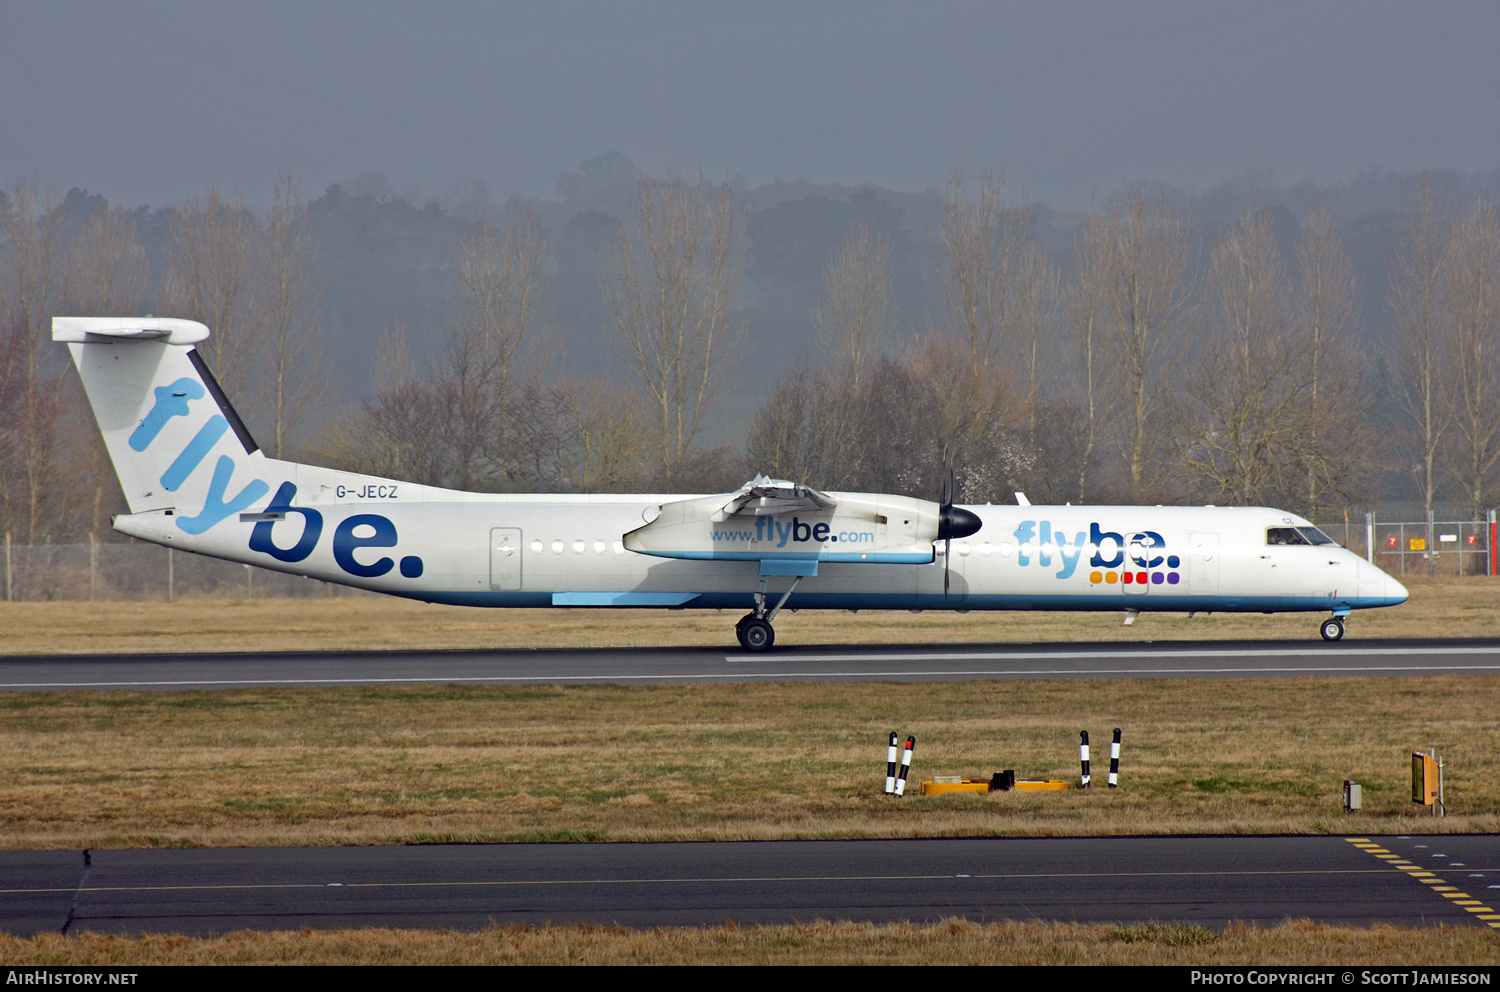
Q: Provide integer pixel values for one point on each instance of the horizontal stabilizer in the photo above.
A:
(174, 330)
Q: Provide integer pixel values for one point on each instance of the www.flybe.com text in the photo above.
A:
(796, 532)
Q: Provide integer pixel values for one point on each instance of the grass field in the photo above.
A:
(442, 763)
(952, 942)
(1451, 607)
(722, 762)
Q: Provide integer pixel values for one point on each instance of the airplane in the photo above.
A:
(194, 479)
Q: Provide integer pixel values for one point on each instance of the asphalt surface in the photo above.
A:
(908, 663)
(1208, 881)
(1201, 880)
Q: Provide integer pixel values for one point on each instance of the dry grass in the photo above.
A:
(951, 942)
(722, 762)
(1451, 607)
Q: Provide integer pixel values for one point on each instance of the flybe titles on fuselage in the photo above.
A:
(1125, 556)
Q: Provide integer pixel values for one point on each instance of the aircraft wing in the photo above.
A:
(772, 518)
(766, 497)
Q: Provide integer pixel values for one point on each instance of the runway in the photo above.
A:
(1411, 881)
(904, 663)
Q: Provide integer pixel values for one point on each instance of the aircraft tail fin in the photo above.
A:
(176, 442)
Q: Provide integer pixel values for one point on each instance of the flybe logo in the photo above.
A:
(172, 401)
(794, 531)
(362, 530)
(1114, 557)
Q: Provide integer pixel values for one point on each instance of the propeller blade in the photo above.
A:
(947, 564)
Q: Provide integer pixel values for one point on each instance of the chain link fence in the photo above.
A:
(138, 570)
(1421, 546)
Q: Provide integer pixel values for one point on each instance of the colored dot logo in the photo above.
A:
(1135, 577)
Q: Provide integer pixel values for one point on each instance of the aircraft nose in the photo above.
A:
(1394, 590)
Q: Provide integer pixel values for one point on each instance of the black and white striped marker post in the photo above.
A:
(1114, 760)
(911, 742)
(890, 766)
(1083, 756)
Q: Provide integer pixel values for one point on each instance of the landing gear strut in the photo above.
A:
(1333, 628)
(754, 630)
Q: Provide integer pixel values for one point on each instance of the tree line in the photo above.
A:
(1145, 363)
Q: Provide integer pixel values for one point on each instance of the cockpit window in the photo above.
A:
(1315, 536)
(1297, 535)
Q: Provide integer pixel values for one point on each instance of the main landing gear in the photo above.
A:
(1333, 628)
(755, 634)
(754, 630)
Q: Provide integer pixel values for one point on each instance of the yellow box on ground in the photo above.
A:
(931, 788)
(937, 788)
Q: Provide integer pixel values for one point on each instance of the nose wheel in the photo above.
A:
(755, 634)
(1333, 628)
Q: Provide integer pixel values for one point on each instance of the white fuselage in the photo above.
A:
(547, 550)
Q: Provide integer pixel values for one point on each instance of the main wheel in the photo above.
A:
(1333, 629)
(756, 635)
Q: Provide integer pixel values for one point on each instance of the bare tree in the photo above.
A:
(1146, 299)
(1335, 443)
(808, 429)
(109, 272)
(397, 434)
(213, 254)
(1035, 302)
(1084, 308)
(610, 435)
(499, 269)
(33, 281)
(1471, 262)
(671, 289)
(854, 320)
(297, 374)
(974, 261)
(1416, 275)
(1240, 431)
(495, 348)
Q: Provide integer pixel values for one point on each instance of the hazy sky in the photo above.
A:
(152, 101)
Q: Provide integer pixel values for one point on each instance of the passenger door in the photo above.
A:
(505, 559)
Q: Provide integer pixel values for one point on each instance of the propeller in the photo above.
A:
(953, 521)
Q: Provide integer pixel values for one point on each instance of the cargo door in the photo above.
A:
(505, 559)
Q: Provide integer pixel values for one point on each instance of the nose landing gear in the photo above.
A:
(1333, 628)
